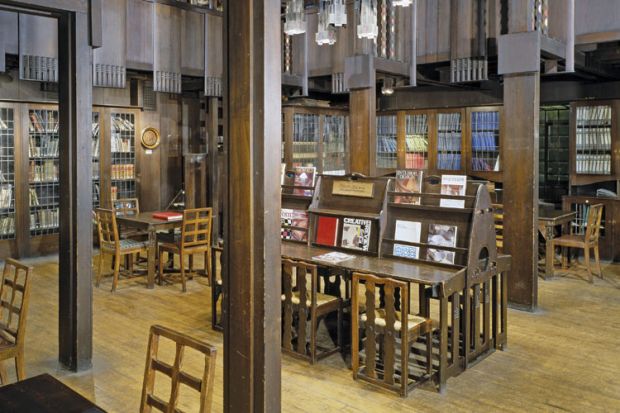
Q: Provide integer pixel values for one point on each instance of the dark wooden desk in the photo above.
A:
(43, 394)
(547, 222)
(144, 221)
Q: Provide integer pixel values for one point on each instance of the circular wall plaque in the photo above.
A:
(150, 138)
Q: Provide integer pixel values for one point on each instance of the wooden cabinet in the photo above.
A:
(594, 142)
(442, 141)
(316, 136)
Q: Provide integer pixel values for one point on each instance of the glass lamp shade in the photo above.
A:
(367, 27)
(402, 3)
(337, 12)
(295, 17)
(326, 34)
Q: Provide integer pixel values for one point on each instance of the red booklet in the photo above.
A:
(168, 216)
(327, 231)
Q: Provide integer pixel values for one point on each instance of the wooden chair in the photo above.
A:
(195, 238)
(587, 241)
(297, 276)
(129, 207)
(204, 385)
(110, 243)
(14, 299)
(498, 216)
(386, 329)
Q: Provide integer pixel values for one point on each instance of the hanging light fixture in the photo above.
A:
(326, 34)
(337, 12)
(367, 27)
(402, 3)
(295, 17)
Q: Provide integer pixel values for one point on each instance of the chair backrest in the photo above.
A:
(593, 230)
(14, 298)
(107, 228)
(126, 207)
(196, 229)
(177, 376)
(297, 276)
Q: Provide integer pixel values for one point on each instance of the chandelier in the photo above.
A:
(326, 34)
(337, 12)
(295, 17)
(367, 27)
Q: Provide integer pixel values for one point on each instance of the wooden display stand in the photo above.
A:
(295, 197)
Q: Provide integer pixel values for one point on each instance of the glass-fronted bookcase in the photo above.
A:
(316, 136)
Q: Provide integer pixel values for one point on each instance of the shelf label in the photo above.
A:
(353, 188)
(148, 152)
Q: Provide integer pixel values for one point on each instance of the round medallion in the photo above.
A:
(150, 138)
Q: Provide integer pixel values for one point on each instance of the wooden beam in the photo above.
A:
(75, 107)
(363, 136)
(251, 307)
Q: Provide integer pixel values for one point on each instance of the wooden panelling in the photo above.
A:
(192, 43)
(363, 131)
(139, 35)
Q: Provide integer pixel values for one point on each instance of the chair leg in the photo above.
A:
(565, 252)
(182, 264)
(339, 329)
(19, 366)
(117, 265)
(586, 257)
(313, 327)
(160, 272)
(208, 267)
(597, 258)
(4, 378)
(131, 262)
(191, 263)
(100, 269)
(429, 352)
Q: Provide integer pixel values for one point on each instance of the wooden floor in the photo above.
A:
(565, 357)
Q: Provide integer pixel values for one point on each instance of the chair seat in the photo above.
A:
(413, 321)
(127, 244)
(571, 240)
(321, 299)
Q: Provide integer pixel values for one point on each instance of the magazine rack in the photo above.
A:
(350, 196)
(292, 199)
(475, 250)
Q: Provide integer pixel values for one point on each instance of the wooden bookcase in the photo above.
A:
(594, 145)
(316, 136)
(441, 141)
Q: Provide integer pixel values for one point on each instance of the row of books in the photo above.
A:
(47, 171)
(44, 219)
(6, 196)
(484, 141)
(354, 234)
(95, 147)
(416, 161)
(484, 121)
(448, 143)
(598, 139)
(120, 143)
(488, 163)
(2, 177)
(3, 125)
(593, 164)
(40, 125)
(96, 170)
(47, 146)
(121, 125)
(95, 129)
(438, 235)
(7, 226)
(123, 171)
(416, 143)
(33, 197)
(416, 125)
(386, 144)
(449, 124)
(449, 161)
(593, 116)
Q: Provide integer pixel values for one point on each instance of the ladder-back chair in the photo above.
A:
(14, 300)
(389, 335)
(195, 238)
(203, 385)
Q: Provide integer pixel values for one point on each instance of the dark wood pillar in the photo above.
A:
(251, 305)
(75, 284)
(214, 160)
(521, 106)
(363, 130)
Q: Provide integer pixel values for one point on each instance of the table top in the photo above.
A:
(145, 220)
(555, 216)
(43, 394)
(450, 279)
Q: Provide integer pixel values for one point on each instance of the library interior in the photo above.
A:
(441, 179)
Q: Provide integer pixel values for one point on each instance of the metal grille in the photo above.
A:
(449, 141)
(334, 145)
(554, 154)
(338, 83)
(108, 75)
(306, 137)
(39, 68)
(386, 141)
(580, 222)
(7, 174)
(96, 154)
(44, 192)
(416, 141)
(213, 86)
(123, 156)
(485, 141)
(593, 140)
(148, 97)
(283, 142)
(167, 82)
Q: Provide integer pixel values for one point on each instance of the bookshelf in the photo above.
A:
(594, 143)
(95, 134)
(449, 129)
(122, 155)
(387, 148)
(315, 136)
(7, 173)
(554, 153)
(483, 142)
(417, 139)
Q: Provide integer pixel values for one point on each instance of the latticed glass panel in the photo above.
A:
(43, 188)
(485, 141)
(123, 151)
(449, 141)
(593, 140)
(416, 141)
(95, 150)
(334, 145)
(306, 137)
(7, 174)
(386, 141)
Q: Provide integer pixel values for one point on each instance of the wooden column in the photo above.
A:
(521, 106)
(363, 130)
(251, 306)
(75, 282)
(213, 168)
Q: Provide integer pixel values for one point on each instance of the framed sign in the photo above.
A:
(353, 188)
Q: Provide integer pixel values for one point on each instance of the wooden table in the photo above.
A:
(547, 222)
(144, 221)
(43, 394)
